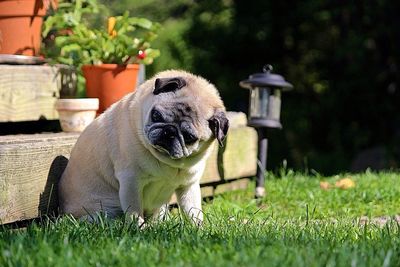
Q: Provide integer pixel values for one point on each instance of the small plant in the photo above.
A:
(122, 41)
(66, 15)
(70, 38)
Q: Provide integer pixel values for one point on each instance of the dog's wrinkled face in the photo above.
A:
(173, 129)
(176, 125)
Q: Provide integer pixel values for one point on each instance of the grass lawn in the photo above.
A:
(296, 224)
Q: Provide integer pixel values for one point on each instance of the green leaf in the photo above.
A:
(63, 5)
(108, 47)
(141, 22)
(47, 25)
(61, 40)
(70, 48)
(153, 53)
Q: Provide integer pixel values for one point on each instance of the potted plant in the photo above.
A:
(61, 22)
(20, 25)
(109, 57)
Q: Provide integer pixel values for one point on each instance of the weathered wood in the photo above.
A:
(211, 191)
(231, 186)
(28, 92)
(30, 166)
(212, 173)
(238, 156)
(29, 170)
(240, 153)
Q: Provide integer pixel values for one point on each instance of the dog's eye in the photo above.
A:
(189, 138)
(156, 116)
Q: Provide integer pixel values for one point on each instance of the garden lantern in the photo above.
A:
(264, 112)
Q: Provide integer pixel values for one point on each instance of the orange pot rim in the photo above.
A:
(111, 66)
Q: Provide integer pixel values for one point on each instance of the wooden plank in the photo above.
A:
(231, 186)
(238, 157)
(30, 166)
(212, 191)
(28, 92)
(29, 171)
(212, 173)
(240, 153)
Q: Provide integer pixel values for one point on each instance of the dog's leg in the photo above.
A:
(129, 197)
(161, 214)
(189, 199)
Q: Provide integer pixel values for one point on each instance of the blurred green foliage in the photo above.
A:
(342, 57)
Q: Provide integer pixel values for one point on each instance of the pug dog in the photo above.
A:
(150, 144)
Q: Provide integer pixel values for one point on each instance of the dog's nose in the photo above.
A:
(169, 132)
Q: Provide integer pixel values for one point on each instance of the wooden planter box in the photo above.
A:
(28, 93)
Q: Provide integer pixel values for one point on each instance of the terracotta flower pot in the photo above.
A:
(76, 114)
(20, 26)
(110, 82)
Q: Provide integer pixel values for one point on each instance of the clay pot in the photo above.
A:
(20, 26)
(110, 82)
(76, 114)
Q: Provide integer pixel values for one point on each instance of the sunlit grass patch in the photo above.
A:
(296, 224)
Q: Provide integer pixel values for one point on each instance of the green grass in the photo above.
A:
(297, 224)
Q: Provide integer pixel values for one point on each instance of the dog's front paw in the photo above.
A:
(134, 218)
(196, 216)
(141, 223)
(197, 221)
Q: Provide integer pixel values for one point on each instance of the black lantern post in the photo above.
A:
(264, 112)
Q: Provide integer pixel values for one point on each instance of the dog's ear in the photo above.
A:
(219, 126)
(164, 85)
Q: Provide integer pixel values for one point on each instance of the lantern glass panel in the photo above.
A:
(259, 98)
(274, 107)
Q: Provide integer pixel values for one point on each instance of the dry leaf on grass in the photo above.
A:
(345, 183)
(324, 185)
